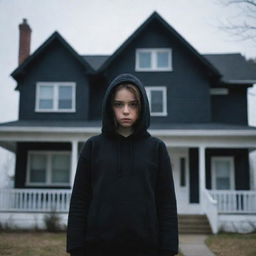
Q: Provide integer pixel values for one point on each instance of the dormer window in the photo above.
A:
(55, 97)
(157, 100)
(153, 59)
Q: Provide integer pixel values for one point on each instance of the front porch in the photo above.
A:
(194, 154)
(234, 202)
(57, 200)
(25, 208)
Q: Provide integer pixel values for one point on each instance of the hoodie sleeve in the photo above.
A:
(166, 206)
(79, 203)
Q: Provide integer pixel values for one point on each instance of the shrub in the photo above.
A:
(52, 222)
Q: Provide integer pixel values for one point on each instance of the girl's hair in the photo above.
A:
(134, 90)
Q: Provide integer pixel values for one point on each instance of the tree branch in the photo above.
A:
(243, 25)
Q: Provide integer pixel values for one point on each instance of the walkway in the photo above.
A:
(193, 245)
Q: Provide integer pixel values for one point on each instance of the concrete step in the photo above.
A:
(195, 231)
(192, 216)
(194, 224)
(189, 221)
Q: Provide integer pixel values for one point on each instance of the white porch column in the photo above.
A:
(202, 184)
(252, 168)
(74, 158)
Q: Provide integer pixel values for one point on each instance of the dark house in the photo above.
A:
(198, 107)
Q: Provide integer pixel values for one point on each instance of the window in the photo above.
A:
(157, 59)
(219, 91)
(157, 100)
(55, 97)
(48, 168)
(222, 173)
(182, 172)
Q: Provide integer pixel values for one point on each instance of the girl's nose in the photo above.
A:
(126, 109)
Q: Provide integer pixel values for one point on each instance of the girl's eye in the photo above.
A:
(134, 104)
(117, 104)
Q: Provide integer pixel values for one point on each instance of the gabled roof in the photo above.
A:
(234, 68)
(55, 36)
(155, 17)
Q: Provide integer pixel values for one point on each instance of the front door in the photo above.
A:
(179, 160)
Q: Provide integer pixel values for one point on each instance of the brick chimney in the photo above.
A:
(24, 45)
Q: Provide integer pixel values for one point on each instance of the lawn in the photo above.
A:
(54, 244)
(232, 244)
(33, 244)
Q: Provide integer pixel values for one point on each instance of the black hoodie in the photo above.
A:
(123, 200)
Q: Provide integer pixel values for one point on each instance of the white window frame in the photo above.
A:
(219, 91)
(48, 155)
(55, 86)
(153, 52)
(213, 171)
(159, 88)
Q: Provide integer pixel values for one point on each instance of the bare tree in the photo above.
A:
(242, 25)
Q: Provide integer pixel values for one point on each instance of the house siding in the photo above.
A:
(241, 162)
(231, 108)
(22, 158)
(55, 64)
(98, 87)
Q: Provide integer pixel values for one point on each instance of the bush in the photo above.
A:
(5, 227)
(52, 222)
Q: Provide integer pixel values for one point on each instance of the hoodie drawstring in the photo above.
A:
(131, 151)
(118, 159)
(132, 158)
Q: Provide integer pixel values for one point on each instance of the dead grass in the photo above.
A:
(33, 244)
(232, 244)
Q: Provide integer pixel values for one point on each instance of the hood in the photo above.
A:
(108, 127)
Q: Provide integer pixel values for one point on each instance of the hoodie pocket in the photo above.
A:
(126, 223)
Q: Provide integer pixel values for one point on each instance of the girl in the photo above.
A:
(123, 200)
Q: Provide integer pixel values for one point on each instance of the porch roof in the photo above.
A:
(234, 67)
(30, 124)
(180, 135)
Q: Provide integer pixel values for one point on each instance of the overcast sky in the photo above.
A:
(100, 26)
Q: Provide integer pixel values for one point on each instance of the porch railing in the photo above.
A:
(235, 201)
(35, 200)
(210, 208)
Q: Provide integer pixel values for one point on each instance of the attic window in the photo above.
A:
(157, 100)
(55, 97)
(153, 59)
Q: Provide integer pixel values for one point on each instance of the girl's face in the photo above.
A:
(125, 107)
